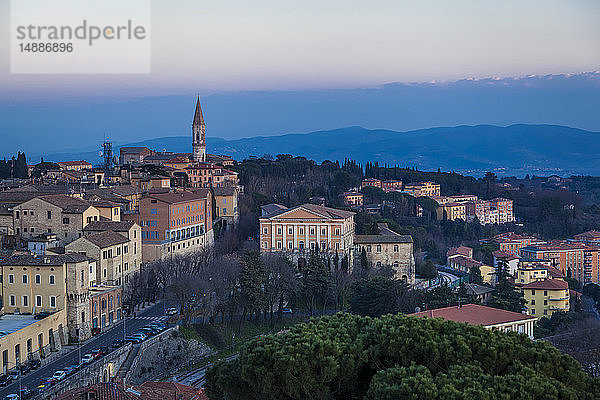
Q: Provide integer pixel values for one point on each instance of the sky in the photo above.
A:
(229, 46)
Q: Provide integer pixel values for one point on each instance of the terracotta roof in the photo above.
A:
(466, 262)
(134, 150)
(547, 284)
(473, 288)
(475, 314)
(180, 197)
(503, 254)
(73, 163)
(68, 204)
(554, 272)
(224, 191)
(588, 235)
(116, 226)
(271, 208)
(106, 238)
(460, 250)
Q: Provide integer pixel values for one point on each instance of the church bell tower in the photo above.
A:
(198, 135)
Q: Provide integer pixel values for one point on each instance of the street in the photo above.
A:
(32, 379)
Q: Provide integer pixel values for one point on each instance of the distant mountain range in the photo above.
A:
(512, 150)
(51, 126)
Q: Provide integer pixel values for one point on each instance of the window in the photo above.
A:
(301, 231)
(379, 248)
(38, 301)
(533, 302)
(265, 230)
(301, 244)
(12, 300)
(24, 279)
(279, 231)
(49, 214)
(125, 249)
(545, 312)
(533, 310)
(279, 244)
(118, 251)
(533, 292)
(312, 245)
(545, 302)
(17, 215)
(368, 248)
(395, 248)
(25, 301)
(312, 231)
(38, 279)
(224, 210)
(323, 231)
(153, 211)
(66, 220)
(11, 278)
(545, 293)
(337, 231)
(290, 231)
(265, 245)
(51, 279)
(290, 245)
(53, 301)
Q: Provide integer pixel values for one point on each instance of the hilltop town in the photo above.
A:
(113, 272)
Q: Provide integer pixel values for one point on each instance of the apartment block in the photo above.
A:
(74, 165)
(590, 237)
(105, 305)
(226, 203)
(297, 230)
(391, 185)
(175, 223)
(452, 211)
(115, 255)
(418, 189)
(352, 199)
(576, 260)
(33, 284)
(512, 243)
(371, 182)
(204, 175)
(545, 297)
(63, 215)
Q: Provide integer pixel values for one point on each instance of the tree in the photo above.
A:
(314, 284)
(505, 295)
(346, 356)
(252, 280)
(426, 270)
(475, 275)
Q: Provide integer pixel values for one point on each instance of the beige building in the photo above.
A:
(63, 215)
(28, 338)
(352, 199)
(115, 255)
(299, 229)
(226, 203)
(388, 249)
(129, 229)
(34, 284)
(418, 189)
(452, 211)
(109, 210)
(74, 165)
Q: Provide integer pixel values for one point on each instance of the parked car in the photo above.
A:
(142, 335)
(14, 375)
(70, 370)
(148, 331)
(12, 396)
(159, 326)
(5, 380)
(45, 383)
(34, 364)
(171, 311)
(26, 394)
(24, 368)
(59, 376)
(132, 339)
(75, 368)
(86, 359)
(100, 352)
(117, 343)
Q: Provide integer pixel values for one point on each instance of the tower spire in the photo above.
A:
(198, 134)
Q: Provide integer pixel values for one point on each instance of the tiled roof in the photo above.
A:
(106, 238)
(224, 191)
(269, 209)
(68, 204)
(547, 284)
(386, 235)
(180, 197)
(466, 262)
(475, 314)
(134, 150)
(554, 272)
(117, 226)
(73, 163)
(503, 254)
(101, 391)
(48, 259)
(460, 250)
(473, 288)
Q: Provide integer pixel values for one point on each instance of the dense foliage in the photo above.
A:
(393, 357)
(14, 168)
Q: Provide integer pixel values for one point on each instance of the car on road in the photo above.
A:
(171, 311)
(75, 367)
(148, 331)
(132, 339)
(5, 380)
(45, 383)
(12, 396)
(59, 376)
(118, 343)
(141, 335)
(158, 325)
(70, 370)
(287, 311)
(86, 359)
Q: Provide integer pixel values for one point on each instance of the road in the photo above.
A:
(33, 378)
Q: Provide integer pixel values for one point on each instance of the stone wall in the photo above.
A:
(101, 370)
(164, 354)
